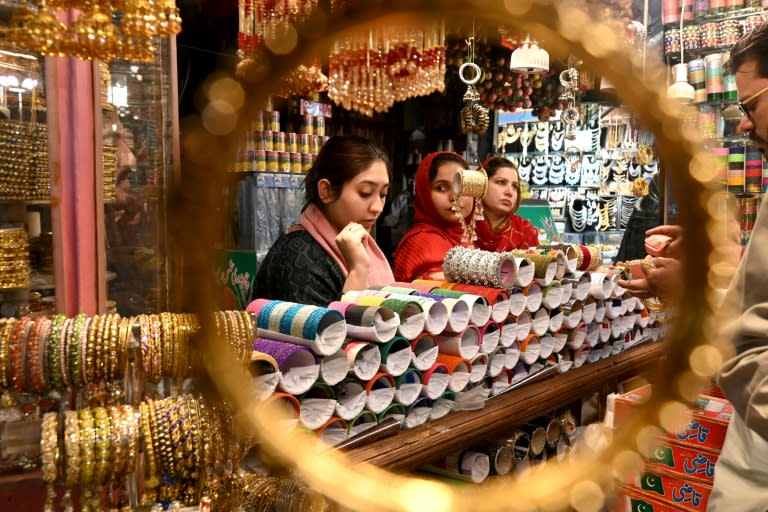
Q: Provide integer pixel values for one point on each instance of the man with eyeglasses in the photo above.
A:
(741, 473)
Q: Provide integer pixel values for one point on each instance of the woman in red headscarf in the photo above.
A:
(502, 230)
(436, 227)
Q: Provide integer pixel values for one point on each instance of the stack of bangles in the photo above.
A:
(485, 268)
(57, 353)
(589, 257)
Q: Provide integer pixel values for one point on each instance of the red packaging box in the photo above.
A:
(632, 500)
(673, 489)
(705, 429)
(686, 461)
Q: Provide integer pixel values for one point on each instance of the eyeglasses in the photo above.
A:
(743, 104)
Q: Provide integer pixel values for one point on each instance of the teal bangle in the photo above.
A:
(266, 312)
(313, 322)
(287, 318)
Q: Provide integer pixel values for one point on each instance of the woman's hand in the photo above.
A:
(661, 279)
(352, 241)
(674, 249)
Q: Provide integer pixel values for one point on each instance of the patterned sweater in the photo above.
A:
(297, 269)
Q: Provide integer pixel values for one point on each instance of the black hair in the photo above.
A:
(443, 159)
(340, 159)
(751, 47)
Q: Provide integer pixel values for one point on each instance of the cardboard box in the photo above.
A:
(633, 500)
(673, 489)
(687, 461)
(705, 429)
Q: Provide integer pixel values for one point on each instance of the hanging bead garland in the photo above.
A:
(103, 30)
(370, 71)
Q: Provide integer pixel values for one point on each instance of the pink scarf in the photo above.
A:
(313, 220)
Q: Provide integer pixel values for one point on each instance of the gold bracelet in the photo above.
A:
(5, 344)
(89, 368)
(102, 444)
(87, 446)
(49, 446)
(151, 480)
(130, 427)
(72, 447)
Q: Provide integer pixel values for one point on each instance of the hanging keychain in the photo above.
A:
(569, 79)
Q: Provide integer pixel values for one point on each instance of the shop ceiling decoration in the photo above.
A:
(371, 70)
(529, 57)
(98, 30)
(261, 21)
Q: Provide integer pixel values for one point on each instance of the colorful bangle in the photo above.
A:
(74, 348)
(53, 351)
(18, 353)
(298, 322)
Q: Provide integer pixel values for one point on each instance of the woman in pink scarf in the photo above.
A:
(331, 250)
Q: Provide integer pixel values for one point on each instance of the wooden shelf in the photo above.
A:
(411, 448)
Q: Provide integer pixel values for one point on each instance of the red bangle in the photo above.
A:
(587, 259)
(38, 334)
(18, 348)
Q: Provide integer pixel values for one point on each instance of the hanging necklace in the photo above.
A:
(557, 171)
(558, 135)
(524, 169)
(578, 215)
(590, 171)
(542, 136)
(557, 195)
(539, 175)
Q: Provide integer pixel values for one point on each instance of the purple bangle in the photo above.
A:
(282, 351)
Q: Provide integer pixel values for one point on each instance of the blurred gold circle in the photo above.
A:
(283, 40)
(705, 360)
(672, 414)
(229, 90)
(368, 488)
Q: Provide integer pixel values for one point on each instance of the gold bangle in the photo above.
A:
(89, 369)
(5, 344)
(49, 446)
(151, 480)
(102, 445)
(87, 446)
(72, 447)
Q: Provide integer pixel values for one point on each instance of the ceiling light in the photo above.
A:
(529, 58)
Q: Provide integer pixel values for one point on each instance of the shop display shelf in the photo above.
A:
(411, 448)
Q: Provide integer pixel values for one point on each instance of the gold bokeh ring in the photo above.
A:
(368, 488)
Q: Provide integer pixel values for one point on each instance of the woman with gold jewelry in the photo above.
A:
(331, 250)
(437, 224)
(502, 230)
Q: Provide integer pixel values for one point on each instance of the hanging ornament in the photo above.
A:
(474, 117)
(569, 79)
(474, 184)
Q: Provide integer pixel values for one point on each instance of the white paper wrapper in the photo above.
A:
(334, 434)
(458, 314)
(265, 385)
(459, 379)
(524, 325)
(547, 346)
(490, 339)
(350, 400)
(511, 356)
(525, 272)
(378, 399)
(299, 379)
(334, 368)
(364, 360)
(417, 415)
(408, 392)
(398, 362)
(361, 426)
(411, 323)
(425, 354)
(436, 386)
(315, 412)
(508, 333)
(533, 298)
(500, 310)
(540, 322)
(496, 362)
(441, 407)
(556, 319)
(517, 302)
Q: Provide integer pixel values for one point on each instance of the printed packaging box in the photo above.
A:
(673, 489)
(633, 500)
(686, 461)
(705, 429)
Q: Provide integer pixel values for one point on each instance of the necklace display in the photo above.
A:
(542, 136)
(590, 171)
(608, 214)
(634, 170)
(557, 195)
(557, 171)
(558, 136)
(578, 213)
(627, 205)
(524, 169)
(529, 132)
(539, 174)
(573, 157)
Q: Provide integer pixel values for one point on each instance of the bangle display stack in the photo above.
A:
(14, 258)
(24, 173)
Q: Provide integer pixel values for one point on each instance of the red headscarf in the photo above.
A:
(413, 259)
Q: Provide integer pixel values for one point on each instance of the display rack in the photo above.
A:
(412, 448)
